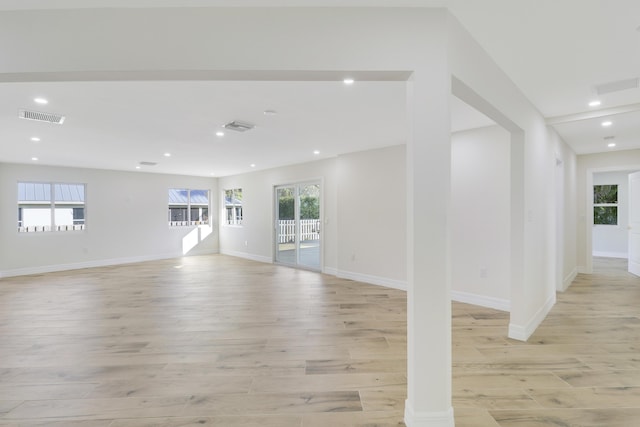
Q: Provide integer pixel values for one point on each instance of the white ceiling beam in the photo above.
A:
(209, 75)
(587, 115)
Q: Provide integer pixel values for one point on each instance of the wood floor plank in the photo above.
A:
(98, 409)
(337, 382)
(273, 403)
(587, 397)
(8, 405)
(568, 417)
(239, 421)
(354, 419)
(601, 378)
(55, 423)
(494, 398)
(172, 386)
(46, 391)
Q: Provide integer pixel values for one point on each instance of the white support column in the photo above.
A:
(429, 279)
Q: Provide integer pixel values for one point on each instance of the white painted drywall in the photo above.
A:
(372, 217)
(126, 220)
(611, 240)
(369, 198)
(363, 212)
(480, 216)
(533, 177)
(566, 188)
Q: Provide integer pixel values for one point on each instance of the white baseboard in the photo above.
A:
(90, 264)
(373, 280)
(569, 279)
(611, 254)
(523, 332)
(245, 255)
(582, 269)
(427, 419)
(330, 270)
(481, 300)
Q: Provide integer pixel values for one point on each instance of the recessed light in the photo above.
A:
(138, 167)
(35, 139)
(348, 81)
(607, 123)
(316, 152)
(40, 101)
(35, 159)
(219, 133)
(595, 103)
(253, 165)
(167, 154)
(611, 144)
(270, 112)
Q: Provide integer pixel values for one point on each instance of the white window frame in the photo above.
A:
(607, 205)
(190, 222)
(237, 208)
(52, 227)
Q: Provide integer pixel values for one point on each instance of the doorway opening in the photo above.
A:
(298, 228)
(612, 223)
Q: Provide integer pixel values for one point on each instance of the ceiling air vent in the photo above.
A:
(41, 117)
(238, 126)
(617, 86)
(148, 163)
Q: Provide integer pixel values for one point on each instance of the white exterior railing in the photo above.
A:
(41, 228)
(186, 223)
(309, 230)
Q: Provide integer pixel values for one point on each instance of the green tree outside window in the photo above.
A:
(605, 204)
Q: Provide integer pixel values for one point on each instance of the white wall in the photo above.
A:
(372, 225)
(257, 229)
(368, 195)
(587, 166)
(481, 83)
(363, 212)
(480, 217)
(126, 220)
(566, 193)
(611, 240)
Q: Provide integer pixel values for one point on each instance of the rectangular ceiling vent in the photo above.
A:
(148, 163)
(41, 117)
(238, 126)
(618, 86)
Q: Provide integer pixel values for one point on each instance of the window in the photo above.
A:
(188, 207)
(46, 206)
(233, 206)
(605, 204)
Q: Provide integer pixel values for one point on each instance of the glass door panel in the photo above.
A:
(309, 239)
(297, 225)
(286, 225)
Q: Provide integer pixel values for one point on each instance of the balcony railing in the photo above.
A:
(309, 230)
(186, 223)
(45, 228)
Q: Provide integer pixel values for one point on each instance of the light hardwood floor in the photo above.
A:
(222, 341)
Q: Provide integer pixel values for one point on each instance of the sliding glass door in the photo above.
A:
(298, 225)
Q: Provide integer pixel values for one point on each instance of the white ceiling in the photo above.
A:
(556, 52)
(116, 125)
